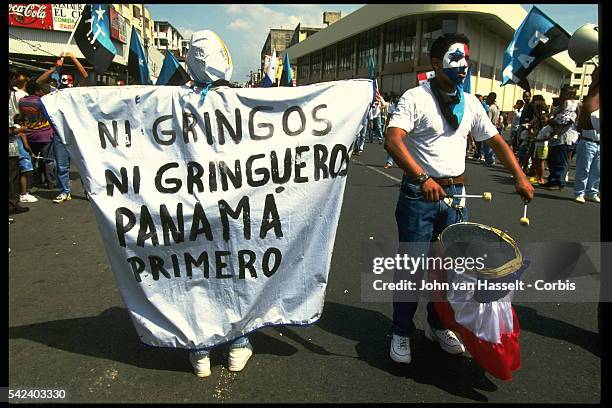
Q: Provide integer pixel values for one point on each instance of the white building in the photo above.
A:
(167, 37)
(398, 37)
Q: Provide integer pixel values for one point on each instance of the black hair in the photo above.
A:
(492, 95)
(32, 87)
(441, 44)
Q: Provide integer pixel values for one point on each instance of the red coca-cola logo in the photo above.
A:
(29, 14)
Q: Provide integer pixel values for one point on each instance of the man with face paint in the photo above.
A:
(427, 138)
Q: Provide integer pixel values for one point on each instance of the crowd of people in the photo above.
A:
(542, 138)
(37, 157)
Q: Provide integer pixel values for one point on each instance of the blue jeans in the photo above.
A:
(361, 137)
(377, 130)
(240, 342)
(62, 158)
(587, 168)
(557, 165)
(489, 154)
(420, 221)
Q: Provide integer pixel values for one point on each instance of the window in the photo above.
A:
(136, 11)
(486, 71)
(346, 53)
(367, 47)
(435, 27)
(577, 76)
(400, 38)
(315, 66)
(329, 60)
(303, 70)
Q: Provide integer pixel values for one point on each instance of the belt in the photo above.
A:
(443, 181)
(588, 140)
(447, 181)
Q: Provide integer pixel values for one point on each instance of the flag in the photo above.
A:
(372, 75)
(138, 67)
(467, 83)
(287, 76)
(423, 77)
(537, 38)
(92, 36)
(172, 73)
(270, 74)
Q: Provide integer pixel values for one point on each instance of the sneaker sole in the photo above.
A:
(402, 361)
(203, 374)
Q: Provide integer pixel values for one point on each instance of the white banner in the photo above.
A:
(218, 218)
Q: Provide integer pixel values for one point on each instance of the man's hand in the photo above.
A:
(525, 189)
(432, 191)
(66, 54)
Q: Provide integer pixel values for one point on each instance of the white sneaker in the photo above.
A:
(201, 366)
(594, 199)
(27, 198)
(447, 340)
(400, 349)
(580, 199)
(62, 197)
(238, 357)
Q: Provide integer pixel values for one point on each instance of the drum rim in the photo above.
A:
(501, 271)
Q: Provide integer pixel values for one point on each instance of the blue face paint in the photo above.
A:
(453, 74)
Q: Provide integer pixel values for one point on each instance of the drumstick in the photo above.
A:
(485, 196)
(525, 220)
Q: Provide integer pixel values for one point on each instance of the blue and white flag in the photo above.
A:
(138, 68)
(172, 73)
(287, 76)
(372, 75)
(92, 36)
(537, 38)
(269, 78)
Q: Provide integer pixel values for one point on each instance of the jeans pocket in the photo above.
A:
(410, 190)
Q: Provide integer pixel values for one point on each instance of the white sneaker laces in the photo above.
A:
(403, 344)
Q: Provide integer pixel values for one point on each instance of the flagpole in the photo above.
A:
(73, 31)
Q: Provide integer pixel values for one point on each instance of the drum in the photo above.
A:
(503, 262)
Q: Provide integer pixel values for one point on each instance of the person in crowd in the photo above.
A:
(493, 114)
(431, 151)
(543, 135)
(62, 157)
(586, 183)
(391, 110)
(38, 130)
(13, 146)
(208, 69)
(376, 130)
(516, 119)
(26, 168)
(478, 153)
(361, 136)
(564, 135)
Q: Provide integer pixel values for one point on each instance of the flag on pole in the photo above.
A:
(172, 73)
(138, 67)
(270, 74)
(92, 36)
(537, 38)
(372, 76)
(287, 76)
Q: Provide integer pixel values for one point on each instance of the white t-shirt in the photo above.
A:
(516, 118)
(433, 143)
(375, 110)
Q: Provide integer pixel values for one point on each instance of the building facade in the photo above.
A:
(167, 37)
(398, 38)
(38, 34)
(278, 40)
(580, 78)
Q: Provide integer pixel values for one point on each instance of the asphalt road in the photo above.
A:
(68, 327)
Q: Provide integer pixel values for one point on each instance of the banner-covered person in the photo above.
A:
(212, 200)
(427, 138)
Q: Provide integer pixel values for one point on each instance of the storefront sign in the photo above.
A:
(65, 16)
(118, 26)
(38, 16)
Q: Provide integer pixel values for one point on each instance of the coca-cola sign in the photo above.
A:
(38, 16)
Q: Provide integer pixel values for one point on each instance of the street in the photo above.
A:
(68, 327)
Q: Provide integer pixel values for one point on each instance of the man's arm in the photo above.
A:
(503, 152)
(394, 144)
(45, 76)
(79, 67)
